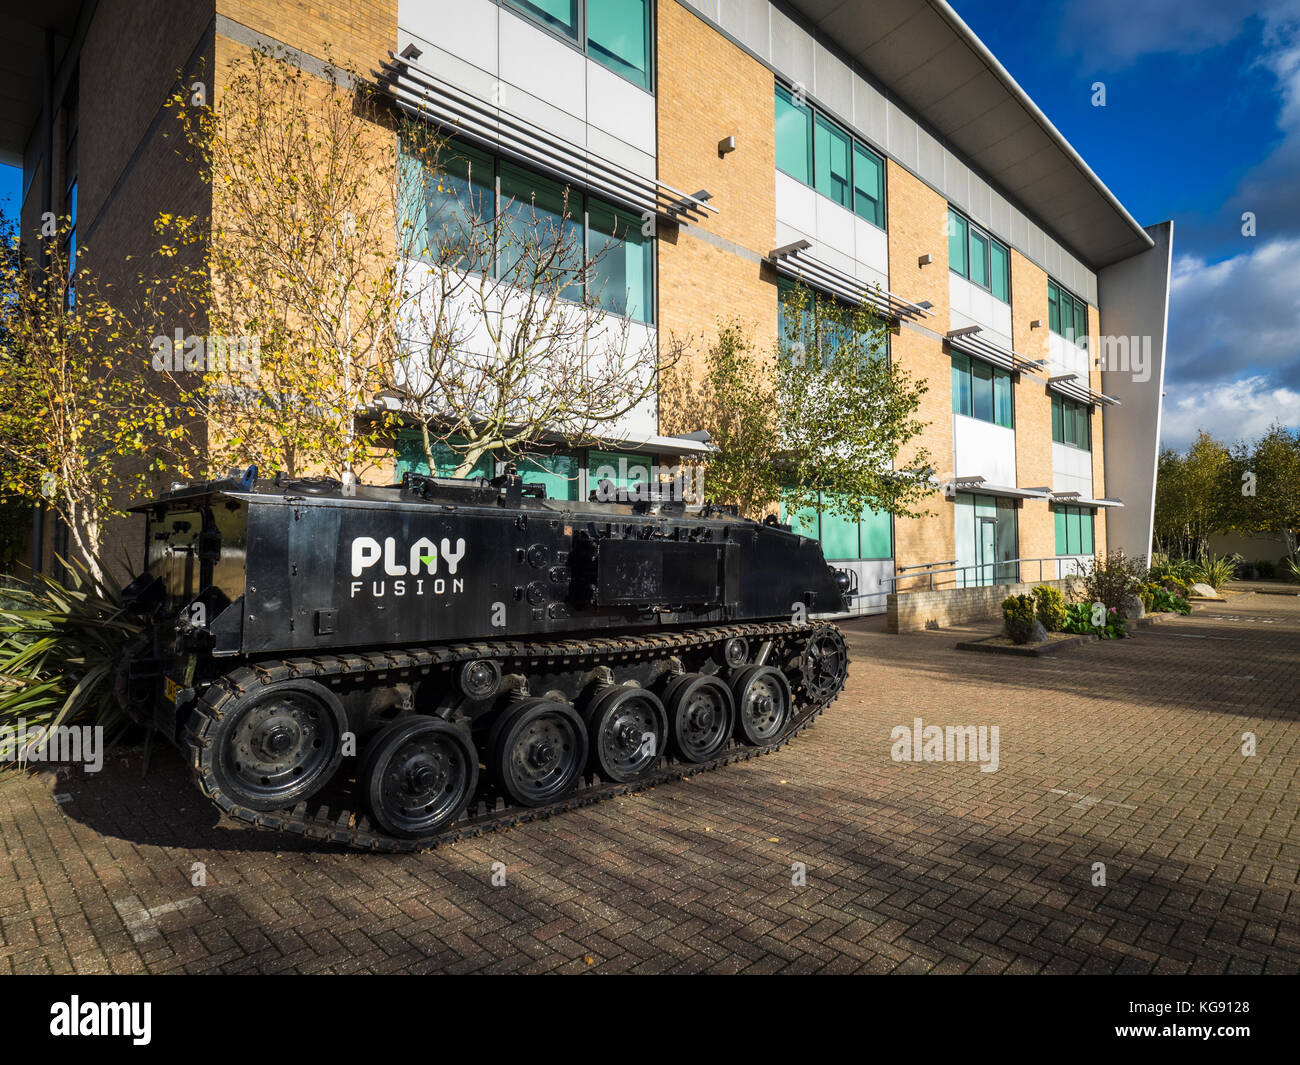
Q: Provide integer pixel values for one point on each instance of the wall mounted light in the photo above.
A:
(1037, 323)
(925, 260)
(727, 144)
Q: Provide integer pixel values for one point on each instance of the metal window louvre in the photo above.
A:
(420, 92)
(1068, 385)
(987, 351)
(794, 263)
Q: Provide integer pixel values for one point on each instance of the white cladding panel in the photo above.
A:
(507, 61)
(1071, 470)
(982, 449)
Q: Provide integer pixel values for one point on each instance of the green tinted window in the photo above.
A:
(831, 155)
(626, 471)
(979, 258)
(559, 473)
(981, 390)
(874, 535)
(1000, 268)
(1053, 307)
(839, 536)
(540, 214)
(620, 257)
(1085, 546)
(793, 137)
(1002, 399)
(1058, 427)
(618, 36)
(560, 15)
(958, 243)
(445, 198)
(868, 185)
(803, 521)
(1058, 515)
(960, 384)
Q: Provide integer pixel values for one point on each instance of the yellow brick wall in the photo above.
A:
(709, 89)
(351, 34)
(1033, 407)
(917, 219)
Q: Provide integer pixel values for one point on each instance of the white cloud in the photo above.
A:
(1234, 410)
(1236, 317)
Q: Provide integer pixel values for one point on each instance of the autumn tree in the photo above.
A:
(1195, 496)
(296, 283)
(817, 420)
(80, 432)
(515, 324)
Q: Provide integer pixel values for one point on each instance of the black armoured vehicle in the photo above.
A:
(446, 656)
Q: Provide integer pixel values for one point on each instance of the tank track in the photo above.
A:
(354, 830)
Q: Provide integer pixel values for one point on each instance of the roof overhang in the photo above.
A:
(1077, 499)
(933, 64)
(980, 487)
(23, 25)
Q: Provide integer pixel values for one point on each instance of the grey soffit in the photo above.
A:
(975, 345)
(1068, 385)
(794, 262)
(422, 93)
(934, 64)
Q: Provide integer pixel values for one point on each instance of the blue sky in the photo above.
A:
(1201, 123)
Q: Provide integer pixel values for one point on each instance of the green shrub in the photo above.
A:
(1018, 617)
(1292, 569)
(1079, 620)
(1049, 605)
(1164, 602)
(1110, 578)
(1164, 567)
(1216, 571)
(57, 650)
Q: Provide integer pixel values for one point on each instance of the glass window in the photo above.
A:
(875, 534)
(868, 185)
(618, 36)
(1000, 266)
(539, 212)
(981, 390)
(839, 535)
(1053, 307)
(1080, 320)
(958, 244)
(560, 15)
(559, 473)
(1073, 530)
(1085, 547)
(446, 198)
(1002, 399)
(620, 276)
(625, 471)
(961, 384)
(804, 522)
(831, 159)
(979, 258)
(1058, 515)
(1058, 427)
(793, 137)
(1083, 431)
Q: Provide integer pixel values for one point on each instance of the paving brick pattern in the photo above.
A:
(1123, 753)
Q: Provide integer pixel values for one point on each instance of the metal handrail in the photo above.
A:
(1019, 562)
(923, 565)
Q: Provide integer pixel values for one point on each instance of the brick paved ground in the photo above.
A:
(1124, 753)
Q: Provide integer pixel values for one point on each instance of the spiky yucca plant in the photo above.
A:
(57, 650)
